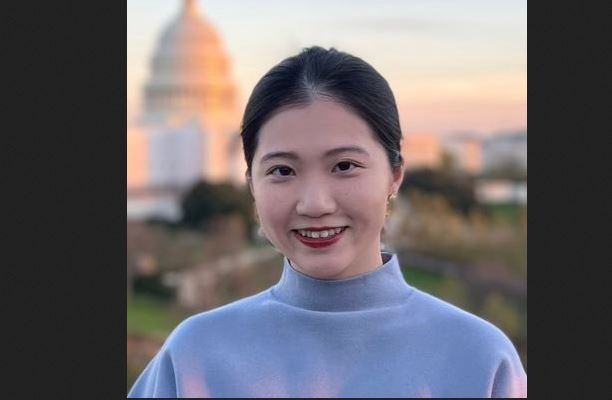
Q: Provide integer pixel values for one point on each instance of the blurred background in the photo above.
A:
(458, 70)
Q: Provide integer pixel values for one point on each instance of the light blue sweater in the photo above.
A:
(372, 335)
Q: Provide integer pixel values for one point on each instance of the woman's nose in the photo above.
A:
(315, 201)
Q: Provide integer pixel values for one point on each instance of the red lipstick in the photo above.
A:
(319, 242)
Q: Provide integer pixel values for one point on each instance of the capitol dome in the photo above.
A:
(189, 128)
(190, 74)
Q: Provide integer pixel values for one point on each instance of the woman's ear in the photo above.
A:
(398, 177)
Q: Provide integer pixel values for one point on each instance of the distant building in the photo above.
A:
(137, 160)
(476, 154)
(501, 192)
(421, 150)
(505, 150)
(465, 150)
(150, 203)
(189, 127)
(175, 155)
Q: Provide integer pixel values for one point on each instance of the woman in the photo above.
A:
(321, 138)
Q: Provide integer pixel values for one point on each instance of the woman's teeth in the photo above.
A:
(320, 234)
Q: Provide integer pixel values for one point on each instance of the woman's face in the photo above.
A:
(321, 166)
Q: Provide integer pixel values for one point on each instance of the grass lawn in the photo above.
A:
(423, 280)
(150, 316)
(505, 212)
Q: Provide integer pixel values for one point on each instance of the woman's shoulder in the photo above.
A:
(471, 343)
(218, 320)
(456, 324)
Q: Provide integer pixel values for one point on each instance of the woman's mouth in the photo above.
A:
(319, 238)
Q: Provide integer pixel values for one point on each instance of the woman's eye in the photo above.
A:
(345, 165)
(282, 171)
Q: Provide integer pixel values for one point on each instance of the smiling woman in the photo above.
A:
(319, 167)
(322, 138)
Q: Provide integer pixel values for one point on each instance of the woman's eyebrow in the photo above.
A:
(293, 156)
(346, 149)
(280, 154)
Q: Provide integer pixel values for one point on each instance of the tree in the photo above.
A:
(206, 200)
(458, 189)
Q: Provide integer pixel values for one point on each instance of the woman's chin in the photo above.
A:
(319, 266)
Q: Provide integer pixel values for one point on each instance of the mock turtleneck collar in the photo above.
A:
(383, 287)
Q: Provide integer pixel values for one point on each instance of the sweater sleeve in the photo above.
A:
(510, 379)
(157, 379)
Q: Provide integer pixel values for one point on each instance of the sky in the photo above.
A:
(453, 65)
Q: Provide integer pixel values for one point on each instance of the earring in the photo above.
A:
(260, 231)
(391, 197)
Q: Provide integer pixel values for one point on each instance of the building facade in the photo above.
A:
(189, 127)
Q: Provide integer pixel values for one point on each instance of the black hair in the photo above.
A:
(317, 72)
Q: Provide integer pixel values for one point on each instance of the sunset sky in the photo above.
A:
(454, 65)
